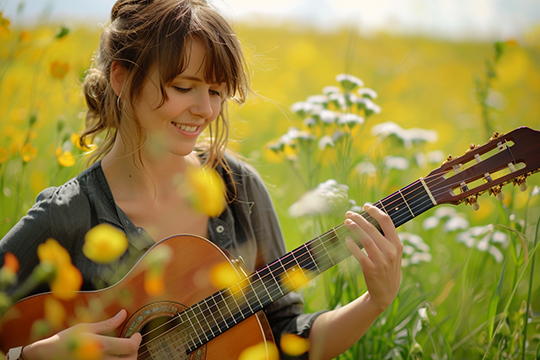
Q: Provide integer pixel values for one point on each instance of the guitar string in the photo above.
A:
(217, 323)
(367, 217)
(224, 319)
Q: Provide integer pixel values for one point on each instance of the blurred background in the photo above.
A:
(457, 70)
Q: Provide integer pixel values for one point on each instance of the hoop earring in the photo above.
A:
(118, 103)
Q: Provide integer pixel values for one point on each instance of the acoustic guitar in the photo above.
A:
(194, 320)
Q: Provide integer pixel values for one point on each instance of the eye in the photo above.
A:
(182, 90)
(215, 92)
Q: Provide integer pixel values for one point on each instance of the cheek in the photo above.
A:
(216, 109)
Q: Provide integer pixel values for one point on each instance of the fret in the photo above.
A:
(258, 283)
(193, 325)
(405, 201)
(326, 251)
(382, 207)
(223, 318)
(270, 282)
(277, 270)
(285, 272)
(216, 323)
(186, 328)
(249, 298)
(308, 251)
(228, 308)
(198, 315)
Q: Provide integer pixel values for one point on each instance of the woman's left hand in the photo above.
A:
(382, 264)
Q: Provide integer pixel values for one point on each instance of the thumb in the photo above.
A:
(137, 338)
(106, 326)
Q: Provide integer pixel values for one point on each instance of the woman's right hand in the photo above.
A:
(111, 347)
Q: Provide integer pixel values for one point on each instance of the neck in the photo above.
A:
(142, 171)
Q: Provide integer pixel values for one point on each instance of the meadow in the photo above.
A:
(470, 288)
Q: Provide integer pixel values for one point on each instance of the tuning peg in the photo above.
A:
(471, 148)
(522, 182)
(497, 191)
(473, 201)
(496, 135)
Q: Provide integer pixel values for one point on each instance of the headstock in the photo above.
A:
(506, 158)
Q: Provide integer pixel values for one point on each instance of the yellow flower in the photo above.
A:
(55, 314)
(52, 252)
(75, 139)
(65, 158)
(156, 261)
(295, 278)
(59, 69)
(104, 244)
(28, 152)
(153, 282)
(11, 262)
(4, 23)
(25, 36)
(294, 345)
(8, 272)
(87, 348)
(223, 275)
(3, 154)
(261, 351)
(205, 190)
(67, 279)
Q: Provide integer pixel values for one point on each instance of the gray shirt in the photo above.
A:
(248, 228)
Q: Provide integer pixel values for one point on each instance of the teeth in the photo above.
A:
(186, 128)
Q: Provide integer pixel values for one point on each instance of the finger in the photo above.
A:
(107, 326)
(355, 250)
(372, 249)
(121, 346)
(385, 222)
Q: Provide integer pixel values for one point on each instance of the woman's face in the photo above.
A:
(191, 106)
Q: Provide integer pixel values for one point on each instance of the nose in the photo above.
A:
(202, 105)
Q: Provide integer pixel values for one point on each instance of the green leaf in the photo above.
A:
(494, 303)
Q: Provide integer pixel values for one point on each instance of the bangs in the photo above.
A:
(224, 60)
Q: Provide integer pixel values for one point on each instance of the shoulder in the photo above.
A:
(240, 170)
(68, 202)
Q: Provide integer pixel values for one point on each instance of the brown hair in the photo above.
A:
(147, 33)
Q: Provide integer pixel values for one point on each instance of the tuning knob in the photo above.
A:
(473, 201)
(523, 186)
(497, 191)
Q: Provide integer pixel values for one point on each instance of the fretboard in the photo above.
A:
(224, 309)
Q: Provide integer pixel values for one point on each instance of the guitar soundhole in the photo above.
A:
(164, 337)
(162, 340)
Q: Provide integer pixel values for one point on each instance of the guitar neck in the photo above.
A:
(224, 309)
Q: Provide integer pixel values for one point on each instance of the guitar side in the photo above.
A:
(187, 281)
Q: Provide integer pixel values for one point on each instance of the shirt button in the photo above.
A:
(220, 229)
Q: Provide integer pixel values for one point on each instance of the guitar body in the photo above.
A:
(187, 281)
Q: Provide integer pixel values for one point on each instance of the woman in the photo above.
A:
(163, 74)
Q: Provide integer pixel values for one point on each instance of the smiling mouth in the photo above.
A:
(186, 128)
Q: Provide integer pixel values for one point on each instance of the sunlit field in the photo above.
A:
(468, 290)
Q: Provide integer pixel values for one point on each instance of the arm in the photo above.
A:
(336, 331)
